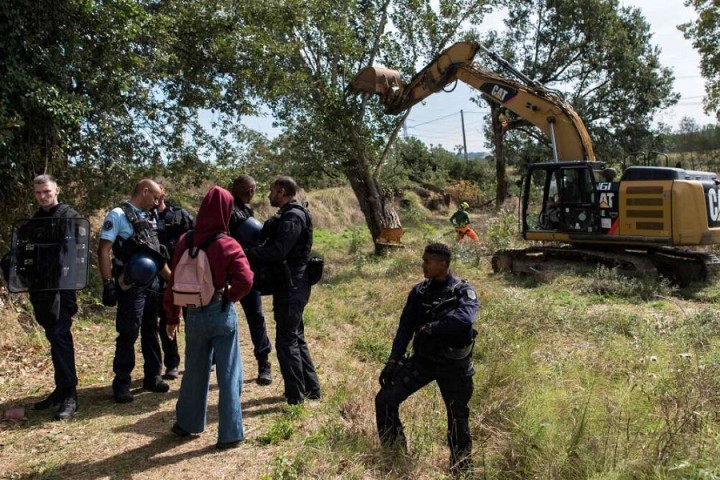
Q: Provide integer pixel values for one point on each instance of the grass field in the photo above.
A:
(585, 375)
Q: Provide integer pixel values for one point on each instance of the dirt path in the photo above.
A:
(107, 440)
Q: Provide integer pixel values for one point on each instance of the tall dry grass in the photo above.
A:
(587, 375)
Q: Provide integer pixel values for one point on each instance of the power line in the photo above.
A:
(443, 117)
(435, 119)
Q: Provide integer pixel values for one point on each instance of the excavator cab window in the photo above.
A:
(561, 198)
(577, 186)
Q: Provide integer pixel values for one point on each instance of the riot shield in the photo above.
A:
(49, 254)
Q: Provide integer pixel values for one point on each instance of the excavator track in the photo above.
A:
(680, 266)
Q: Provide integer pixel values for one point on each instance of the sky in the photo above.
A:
(437, 121)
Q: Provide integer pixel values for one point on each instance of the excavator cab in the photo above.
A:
(564, 199)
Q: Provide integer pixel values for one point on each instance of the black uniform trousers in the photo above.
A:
(456, 387)
(252, 307)
(296, 365)
(57, 331)
(136, 313)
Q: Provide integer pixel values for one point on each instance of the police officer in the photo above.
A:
(172, 221)
(438, 317)
(128, 232)
(288, 242)
(243, 190)
(54, 310)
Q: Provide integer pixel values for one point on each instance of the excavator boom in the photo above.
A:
(533, 103)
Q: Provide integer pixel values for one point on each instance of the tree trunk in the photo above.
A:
(498, 131)
(377, 206)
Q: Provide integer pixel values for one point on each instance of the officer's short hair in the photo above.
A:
(243, 180)
(439, 249)
(43, 179)
(287, 184)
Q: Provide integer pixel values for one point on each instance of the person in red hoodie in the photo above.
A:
(212, 329)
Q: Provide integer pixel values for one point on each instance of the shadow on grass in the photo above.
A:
(95, 402)
(262, 406)
(128, 463)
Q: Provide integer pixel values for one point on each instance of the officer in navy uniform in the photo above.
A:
(130, 283)
(54, 310)
(438, 317)
(243, 190)
(172, 221)
(288, 243)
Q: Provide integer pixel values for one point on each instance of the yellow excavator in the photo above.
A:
(635, 223)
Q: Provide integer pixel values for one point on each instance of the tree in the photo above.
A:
(92, 90)
(596, 55)
(704, 33)
(315, 48)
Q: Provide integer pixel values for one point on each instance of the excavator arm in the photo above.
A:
(531, 101)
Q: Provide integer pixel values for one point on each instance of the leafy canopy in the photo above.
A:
(599, 56)
(704, 33)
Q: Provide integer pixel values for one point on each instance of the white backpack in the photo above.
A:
(193, 281)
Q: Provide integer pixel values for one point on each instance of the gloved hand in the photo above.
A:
(388, 373)
(109, 298)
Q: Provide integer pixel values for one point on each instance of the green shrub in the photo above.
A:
(501, 232)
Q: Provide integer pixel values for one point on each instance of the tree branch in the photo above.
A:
(388, 145)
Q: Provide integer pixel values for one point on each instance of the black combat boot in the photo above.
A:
(69, 405)
(461, 467)
(122, 394)
(264, 373)
(53, 400)
(156, 384)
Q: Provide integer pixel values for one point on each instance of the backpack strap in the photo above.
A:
(193, 250)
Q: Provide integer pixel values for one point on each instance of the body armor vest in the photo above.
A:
(434, 306)
(144, 234)
(270, 232)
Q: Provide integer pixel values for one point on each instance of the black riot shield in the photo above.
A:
(49, 254)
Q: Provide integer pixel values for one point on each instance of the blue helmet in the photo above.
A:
(141, 269)
(249, 232)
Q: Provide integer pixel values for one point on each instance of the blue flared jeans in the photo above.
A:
(208, 331)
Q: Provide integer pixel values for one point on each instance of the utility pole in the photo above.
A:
(462, 121)
(405, 134)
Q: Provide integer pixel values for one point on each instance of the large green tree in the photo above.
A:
(598, 56)
(704, 32)
(92, 90)
(315, 48)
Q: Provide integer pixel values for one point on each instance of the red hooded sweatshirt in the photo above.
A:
(225, 255)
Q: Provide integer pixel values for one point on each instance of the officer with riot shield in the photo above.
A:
(49, 260)
(248, 232)
(130, 281)
(438, 317)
